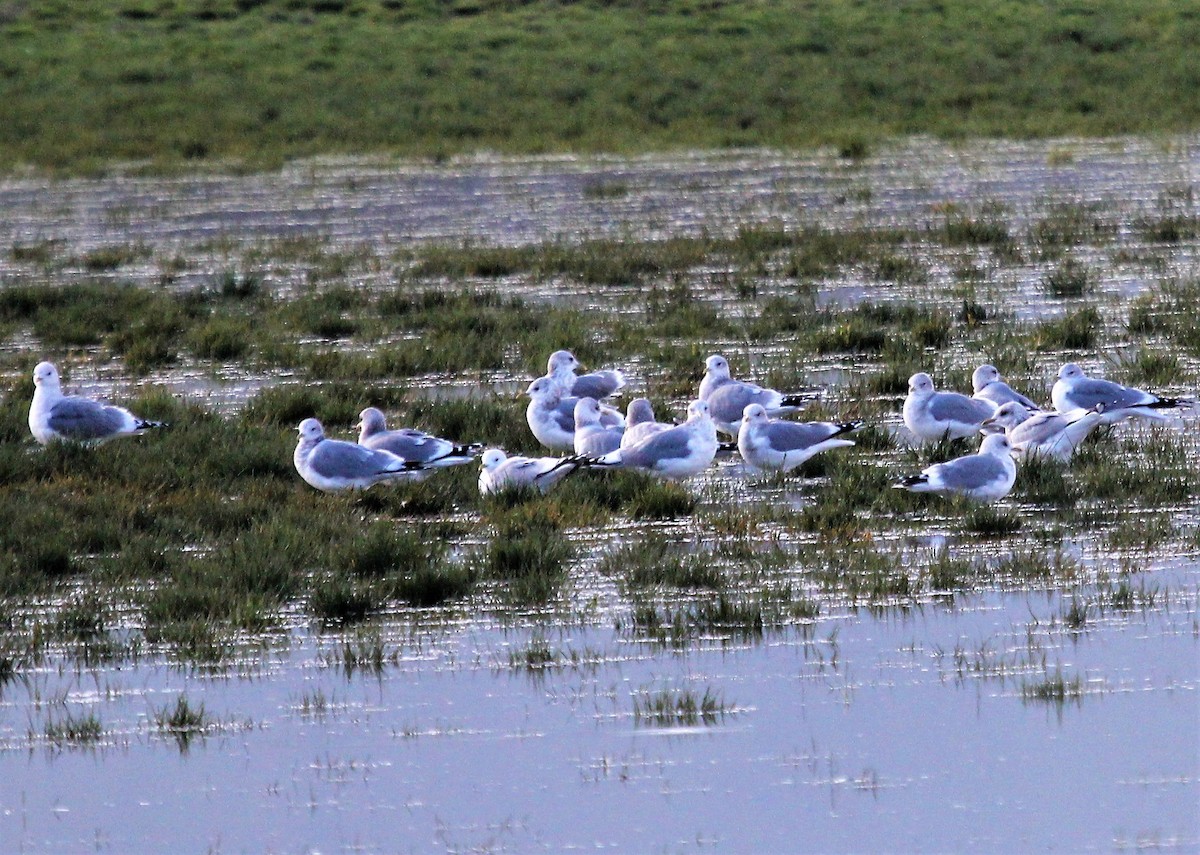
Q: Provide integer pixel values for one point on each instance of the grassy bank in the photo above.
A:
(256, 82)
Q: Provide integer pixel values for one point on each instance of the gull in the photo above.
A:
(989, 386)
(55, 416)
(728, 398)
(640, 423)
(767, 443)
(1042, 434)
(561, 367)
(591, 437)
(551, 415)
(499, 471)
(331, 465)
(1075, 390)
(676, 452)
(932, 415)
(986, 476)
(413, 445)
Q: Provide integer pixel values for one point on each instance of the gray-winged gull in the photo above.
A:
(332, 465)
(767, 443)
(55, 416)
(932, 415)
(986, 476)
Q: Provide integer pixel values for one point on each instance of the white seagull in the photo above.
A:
(640, 423)
(781, 446)
(413, 445)
(55, 416)
(1043, 434)
(551, 415)
(561, 368)
(931, 415)
(985, 477)
(591, 437)
(989, 386)
(332, 465)
(728, 398)
(499, 471)
(676, 452)
(1075, 390)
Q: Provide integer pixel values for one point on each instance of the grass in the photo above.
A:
(74, 731)
(183, 721)
(203, 536)
(300, 79)
(672, 707)
(1055, 689)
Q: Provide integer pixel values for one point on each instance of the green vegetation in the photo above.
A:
(194, 542)
(672, 707)
(253, 84)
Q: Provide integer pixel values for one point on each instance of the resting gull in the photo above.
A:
(728, 398)
(55, 416)
(332, 465)
(986, 476)
(932, 415)
(781, 446)
(1075, 390)
(1042, 434)
(413, 445)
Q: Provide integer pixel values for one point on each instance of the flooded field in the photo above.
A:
(846, 668)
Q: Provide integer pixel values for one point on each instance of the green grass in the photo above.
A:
(671, 707)
(138, 80)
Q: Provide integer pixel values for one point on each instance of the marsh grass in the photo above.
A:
(1055, 689)
(670, 707)
(690, 91)
(1070, 278)
(657, 562)
(528, 552)
(74, 731)
(1074, 331)
(183, 721)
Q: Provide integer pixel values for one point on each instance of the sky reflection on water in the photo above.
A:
(863, 735)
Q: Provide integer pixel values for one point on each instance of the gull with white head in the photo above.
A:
(781, 446)
(932, 415)
(55, 416)
(333, 465)
(986, 476)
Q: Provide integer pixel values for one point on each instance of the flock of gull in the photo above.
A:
(566, 414)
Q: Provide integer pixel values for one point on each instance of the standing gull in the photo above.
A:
(331, 465)
(674, 453)
(1041, 434)
(781, 446)
(413, 445)
(1075, 390)
(499, 471)
(55, 416)
(591, 437)
(984, 477)
(989, 386)
(932, 415)
(551, 415)
(561, 367)
(728, 398)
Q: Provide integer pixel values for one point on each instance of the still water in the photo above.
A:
(861, 733)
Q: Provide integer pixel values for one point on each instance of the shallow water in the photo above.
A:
(897, 729)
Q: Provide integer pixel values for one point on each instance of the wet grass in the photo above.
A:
(672, 707)
(189, 541)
